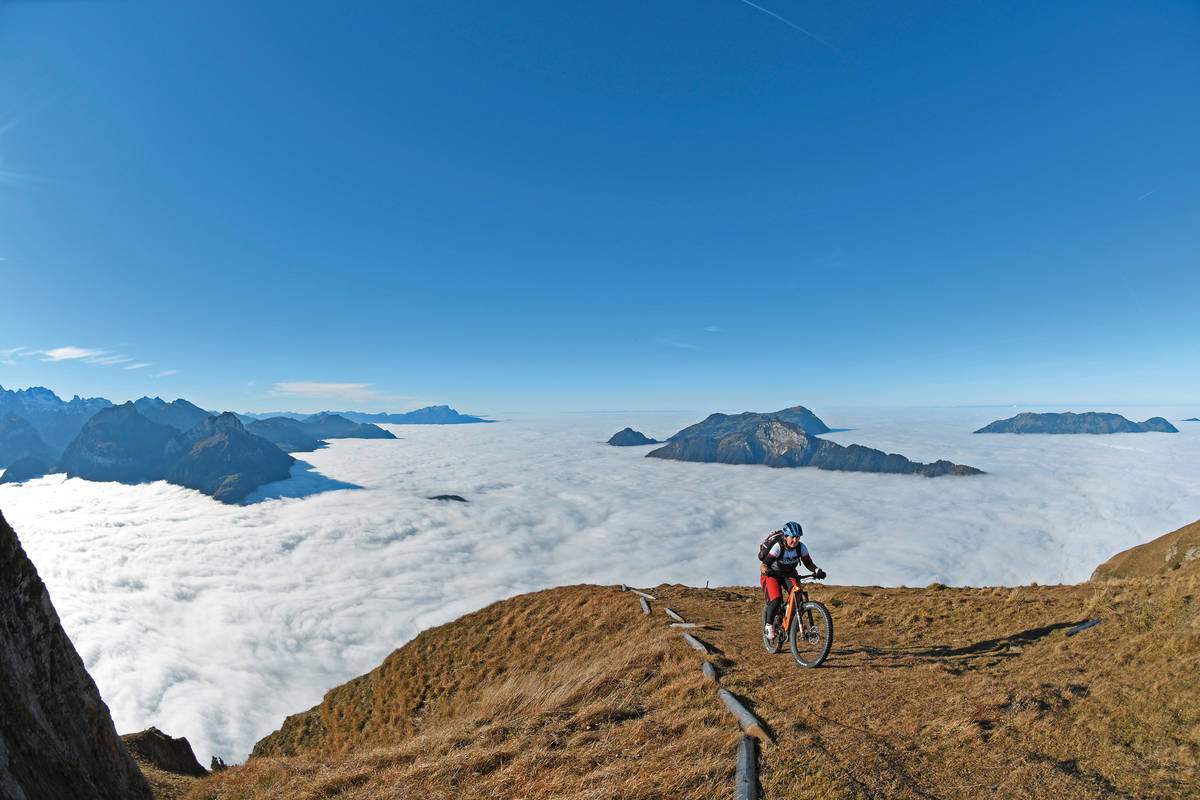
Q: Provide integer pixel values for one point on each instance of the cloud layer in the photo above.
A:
(214, 622)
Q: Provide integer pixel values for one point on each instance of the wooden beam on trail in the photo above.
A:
(1082, 627)
(624, 588)
(673, 615)
(745, 779)
(709, 671)
(683, 625)
(645, 605)
(748, 722)
(643, 594)
(696, 643)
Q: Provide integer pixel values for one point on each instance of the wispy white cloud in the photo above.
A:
(69, 353)
(110, 360)
(685, 345)
(357, 392)
(137, 366)
(9, 356)
(713, 328)
(166, 372)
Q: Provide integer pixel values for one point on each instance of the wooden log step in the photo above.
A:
(673, 615)
(745, 778)
(695, 643)
(645, 605)
(748, 722)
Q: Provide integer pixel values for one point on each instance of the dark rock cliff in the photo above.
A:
(20, 440)
(57, 738)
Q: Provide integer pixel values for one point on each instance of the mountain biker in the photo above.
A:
(779, 569)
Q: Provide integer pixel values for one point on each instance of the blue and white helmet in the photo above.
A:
(793, 529)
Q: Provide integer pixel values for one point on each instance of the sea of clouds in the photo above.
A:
(215, 622)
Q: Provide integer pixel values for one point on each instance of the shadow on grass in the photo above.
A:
(990, 646)
(305, 481)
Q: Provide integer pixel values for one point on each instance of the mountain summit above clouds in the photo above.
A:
(781, 440)
(430, 415)
(217, 456)
(1089, 422)
(57, 739)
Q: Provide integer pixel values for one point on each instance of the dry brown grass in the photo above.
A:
(929, 693)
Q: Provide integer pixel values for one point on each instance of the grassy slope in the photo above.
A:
(929, 693)
(1179, 549)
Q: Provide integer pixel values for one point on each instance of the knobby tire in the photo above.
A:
(811, 650)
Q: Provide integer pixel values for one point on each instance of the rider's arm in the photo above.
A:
(772, 555)
(808, 562)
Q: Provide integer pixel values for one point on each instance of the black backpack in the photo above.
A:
(768, 543)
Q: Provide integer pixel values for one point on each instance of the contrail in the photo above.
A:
(788, 22)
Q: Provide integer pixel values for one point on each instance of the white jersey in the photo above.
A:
(786, 558)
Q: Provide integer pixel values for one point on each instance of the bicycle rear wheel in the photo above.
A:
(775, 643)
(812, 647)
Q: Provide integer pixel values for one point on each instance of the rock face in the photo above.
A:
(118, 444)
(762, 439)
(1090, 422)
(430, 415)
(57, 738)
(628, 437)
(180, 414)
(56, 421)
(219, 458)
(152, 746)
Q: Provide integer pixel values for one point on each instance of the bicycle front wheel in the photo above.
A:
(811, 647)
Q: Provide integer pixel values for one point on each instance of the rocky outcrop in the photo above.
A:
(628, 437)
(167, 753)
(761, 439)
(57, 738)
(180, 414)
(1089, 422)
(219, 458)
(118, 444)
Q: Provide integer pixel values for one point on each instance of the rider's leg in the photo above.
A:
(773, 595)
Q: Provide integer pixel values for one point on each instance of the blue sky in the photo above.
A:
(564, 206)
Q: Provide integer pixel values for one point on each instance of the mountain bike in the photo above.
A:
(806, 624)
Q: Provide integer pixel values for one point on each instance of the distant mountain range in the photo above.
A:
(151, 439)
(1090, 422)
(787, 438)
(430, 415)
